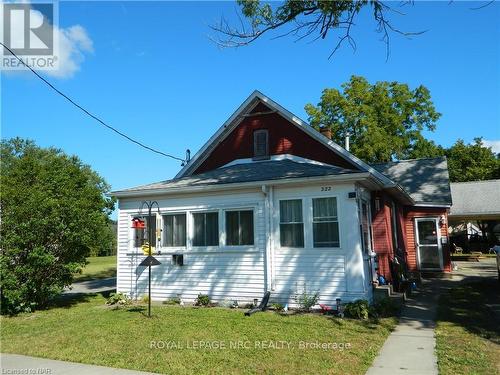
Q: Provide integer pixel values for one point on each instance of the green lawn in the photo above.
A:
(88, 331)
(468, 332)
(98, 268)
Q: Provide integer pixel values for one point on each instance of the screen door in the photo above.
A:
(428, 244)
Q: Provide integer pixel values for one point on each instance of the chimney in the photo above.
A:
(327, 132)
(347, 141)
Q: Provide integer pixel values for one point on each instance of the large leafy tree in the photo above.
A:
(385, 120)
(472, 162)
(54, 212)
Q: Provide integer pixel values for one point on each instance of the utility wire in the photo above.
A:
(90, 114)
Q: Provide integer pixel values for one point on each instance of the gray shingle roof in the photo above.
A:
(249, 172)
(475, 198)
(426, 180)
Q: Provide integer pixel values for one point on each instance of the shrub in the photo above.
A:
(145, 298)
(49, 226)
(358, 309)
(202, 300)
(172, 301)
(305, 299)
(278, 306)
(120, 299)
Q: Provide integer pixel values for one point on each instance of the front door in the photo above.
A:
(428, 244)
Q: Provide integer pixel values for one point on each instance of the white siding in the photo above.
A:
(245, 273)
(333, 272)
(221, 272)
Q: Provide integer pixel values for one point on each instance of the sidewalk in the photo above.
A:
(410, 348)
(21, 364)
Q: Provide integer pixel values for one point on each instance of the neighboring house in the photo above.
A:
(270, 204)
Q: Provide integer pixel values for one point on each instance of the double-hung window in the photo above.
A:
(174, 230)
(206, 229)
(239, 228)
(291, 223)
(325, 222)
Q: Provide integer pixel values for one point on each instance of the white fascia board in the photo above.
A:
(359, 176)
(231, 123)
(432, 205)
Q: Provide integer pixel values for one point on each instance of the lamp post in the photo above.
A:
(150, 260)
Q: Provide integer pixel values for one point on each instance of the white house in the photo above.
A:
(267, 204)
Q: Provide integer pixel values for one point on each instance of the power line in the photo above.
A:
(89, 113)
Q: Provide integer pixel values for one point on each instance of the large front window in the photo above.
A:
(239, 228)
(174, 230)
(325, 222)
(291, 223)
(206, 229)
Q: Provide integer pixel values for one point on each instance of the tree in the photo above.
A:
(308, 19)
(472, 162)
(54, 212)
(385, 121)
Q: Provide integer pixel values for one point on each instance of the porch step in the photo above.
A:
(381, 292)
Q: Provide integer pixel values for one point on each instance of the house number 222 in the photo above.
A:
(326, 188)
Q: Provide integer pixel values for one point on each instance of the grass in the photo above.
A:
(87, 331)
(98, 268)
(468, 332)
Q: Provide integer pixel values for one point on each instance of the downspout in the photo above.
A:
(269, 260)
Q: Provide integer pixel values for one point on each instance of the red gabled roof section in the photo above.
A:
(284, 138)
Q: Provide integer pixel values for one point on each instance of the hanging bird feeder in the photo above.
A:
(138, 223)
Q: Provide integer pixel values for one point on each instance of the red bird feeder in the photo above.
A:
(138, 223)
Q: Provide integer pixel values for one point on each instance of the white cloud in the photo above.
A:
(495, 145)
(71, 45)
(74, 42)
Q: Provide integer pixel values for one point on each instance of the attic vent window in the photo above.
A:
(261, 144)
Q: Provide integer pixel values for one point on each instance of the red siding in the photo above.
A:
(382, 233)
(410, 214)
(284, 138)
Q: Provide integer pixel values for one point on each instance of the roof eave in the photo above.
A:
(358, 176)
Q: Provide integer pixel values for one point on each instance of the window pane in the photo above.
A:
(291, 211)
(325, 209)
(232, 230)
(246, 225)
(180, 230)
(292, 235)
(326, 234)
(212, 228)
(206, 229)
(174, 230)
(199, 228)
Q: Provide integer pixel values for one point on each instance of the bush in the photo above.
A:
(278, 307)
(305, 299)
(359, 309)
(120, 299)
(172, 301)
(202, 300)
(54, 213)
(145, 298)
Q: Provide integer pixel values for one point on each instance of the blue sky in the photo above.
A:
(151, 71)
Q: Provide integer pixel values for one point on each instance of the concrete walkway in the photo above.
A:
(21, 364)
(410, 348)
(92, 286)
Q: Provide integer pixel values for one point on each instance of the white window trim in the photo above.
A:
(337, 202)
(255, 234)
(304, 229)
(191, 234)
(173, 248)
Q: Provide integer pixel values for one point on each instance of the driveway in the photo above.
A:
(92, 286)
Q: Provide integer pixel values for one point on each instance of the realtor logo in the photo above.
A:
(29, 31)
